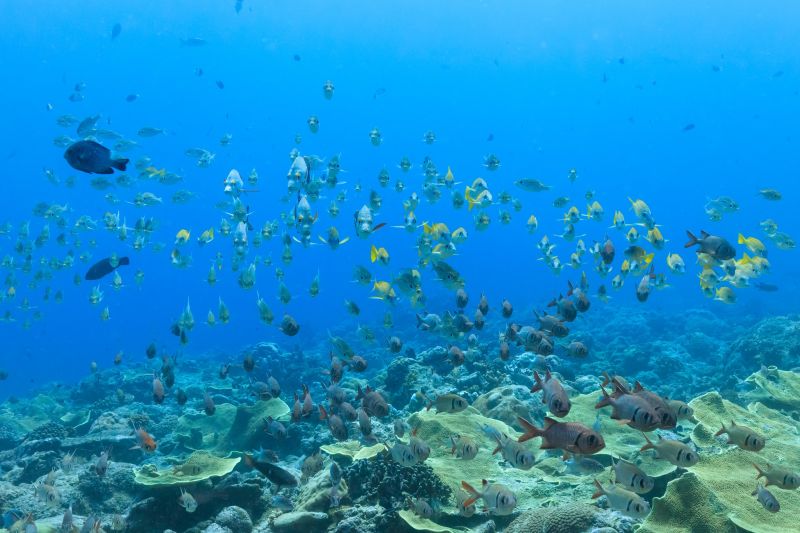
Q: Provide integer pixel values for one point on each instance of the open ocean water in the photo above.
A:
(304, 266)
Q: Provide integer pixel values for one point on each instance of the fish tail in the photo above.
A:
(692, 240)
(648, 445)
(760, 472)
(599, 492)
(531, 431)
(721, 431)
(537, 386)
(605, 401)
(741, 239)
(120, 164)
(471, 490)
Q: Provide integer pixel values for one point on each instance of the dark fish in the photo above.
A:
(715, 246)
(198, 71)
(238, 8)
(378, 92)
(103, 268)
(93, 158)
(766, 287)
(296, 57)
(274, 473)
(778, 74)
(116, 30)
(220, 84)
(193, 41)
(688, 127)
(490, 138)
(131, 97)
(621, 60)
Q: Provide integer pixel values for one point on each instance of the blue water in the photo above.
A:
(605, 88)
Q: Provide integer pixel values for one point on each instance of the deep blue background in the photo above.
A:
(546, 79)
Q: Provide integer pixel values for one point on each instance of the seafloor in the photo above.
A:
(745, 371)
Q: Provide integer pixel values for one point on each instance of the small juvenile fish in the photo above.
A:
(419, 447)
(683, 410)
(622, 500)
(766, 499)
(742, 436)
(553, 394)
(512, 451)
(463, 447)
(187, 501)
(673, 451)
(631, 477)
(403, 455)
(497, 498)
(448, 403)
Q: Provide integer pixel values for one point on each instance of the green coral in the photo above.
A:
(231, 428)
(716, 494)
(775, 388)
(211, 428)
(247, 426)
(353, 449)
(199, 466)
(560, 519)
(423, 524)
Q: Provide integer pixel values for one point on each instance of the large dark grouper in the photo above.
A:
(104, 267)
(715, 246)
(93, 158)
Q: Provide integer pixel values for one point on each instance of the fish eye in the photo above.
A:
(592, 439)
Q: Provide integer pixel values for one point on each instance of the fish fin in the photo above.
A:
(599, 492)
(531, 431)
(741, 239)
(704, 234)
(624, 421)
(471, 490)
(343, 241)
(379, 226)
(648, 445)
(537, 386)
(721, 431)
(119, 164)
(692, 240)
(373, 254)
(499, 447)
(606, 398)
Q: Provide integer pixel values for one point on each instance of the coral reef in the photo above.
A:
(560, 519)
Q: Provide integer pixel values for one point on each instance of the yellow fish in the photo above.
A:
(379, 254)
(459, 235)
(725, 295)
(754, 245)
(384, 290)
(619, 220)
(206, 237)
(435, 231)
(182, 236)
